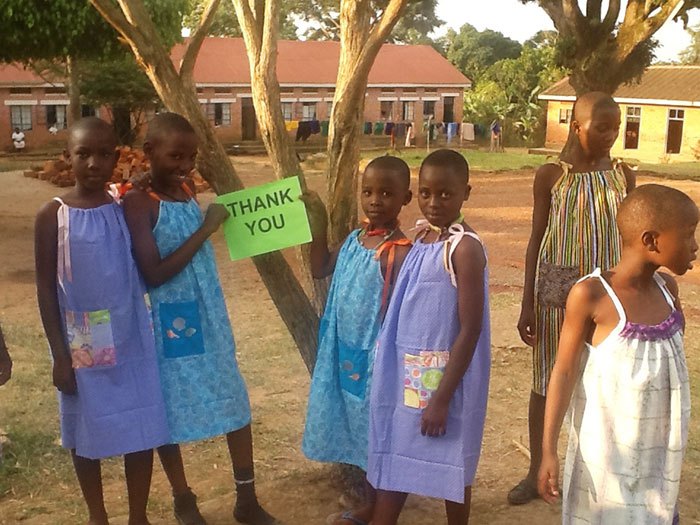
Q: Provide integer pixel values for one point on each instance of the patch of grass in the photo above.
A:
(677, 170)
(511, 159)
(15, 164)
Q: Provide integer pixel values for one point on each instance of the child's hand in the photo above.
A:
(433, 421)
(215, 217)
(548, 478)
(5, 366)
(64, 376)
(318, 217)
(526, 325)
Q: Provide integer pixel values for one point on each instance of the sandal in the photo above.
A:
(347, 516)
(524, 492)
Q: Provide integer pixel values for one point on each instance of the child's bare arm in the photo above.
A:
(322, 259)
(469, 264)
(5, 361)
(157, 270)
(545, 178)
(576, 328)
(46, 257)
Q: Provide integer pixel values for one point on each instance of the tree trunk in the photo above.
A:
(74, 106)
(178, 94)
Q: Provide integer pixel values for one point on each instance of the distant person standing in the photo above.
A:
(18, 140)
(496, 136)
(5, 361)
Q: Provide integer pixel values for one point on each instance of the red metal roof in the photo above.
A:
(224, 61)
(658, 83)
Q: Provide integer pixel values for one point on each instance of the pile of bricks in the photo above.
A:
(131, 162)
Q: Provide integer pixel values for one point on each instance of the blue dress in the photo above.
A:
(204, 392)
(337, 415)
(414, 346)
(118, 407)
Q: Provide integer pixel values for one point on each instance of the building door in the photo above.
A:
(674, 135)
(248, 120)
(632, 125)
(448, 112)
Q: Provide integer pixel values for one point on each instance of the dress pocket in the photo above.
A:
(554, 283)
(353, 369)
(181, 329)
(90, 339)
(422, 375)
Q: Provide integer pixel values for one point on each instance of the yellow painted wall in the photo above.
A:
(652, 135)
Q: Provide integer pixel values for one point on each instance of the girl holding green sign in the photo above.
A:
(205, 395)
(363, 272)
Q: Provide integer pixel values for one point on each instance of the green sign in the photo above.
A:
(265, 218)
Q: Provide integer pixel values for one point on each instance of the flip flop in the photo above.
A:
(524, 492)
(346, 515)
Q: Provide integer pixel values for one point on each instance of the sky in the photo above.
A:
(520, 22)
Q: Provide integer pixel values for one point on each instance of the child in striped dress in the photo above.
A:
(573, 232)
(621, 355)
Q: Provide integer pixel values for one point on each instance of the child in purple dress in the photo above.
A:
(428, 398)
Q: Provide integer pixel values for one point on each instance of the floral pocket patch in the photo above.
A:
(422, 375)
(181, 329)
(90, 339)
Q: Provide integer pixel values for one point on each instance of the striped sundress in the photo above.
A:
(581, 235)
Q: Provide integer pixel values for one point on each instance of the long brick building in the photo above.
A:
(406, 84)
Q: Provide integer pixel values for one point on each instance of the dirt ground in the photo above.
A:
(43, 490)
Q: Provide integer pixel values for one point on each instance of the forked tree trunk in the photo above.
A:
(178, 94)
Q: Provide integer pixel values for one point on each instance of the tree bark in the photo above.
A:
(178, 94)
(360, 42)
(74, 105)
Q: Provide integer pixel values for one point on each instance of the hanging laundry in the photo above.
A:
(400, 129)
(324, 128)
(389, 128)
(368, 128)
(451, 131)
(467, 131)
(379, 128)
(315, 127)
(291, 125)
(304, 130)
(410, 134)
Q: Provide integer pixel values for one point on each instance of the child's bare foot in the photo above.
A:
(361, 516)
(253, 515)
(98, 520)
(186, 510)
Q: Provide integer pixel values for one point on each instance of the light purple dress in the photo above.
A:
(420, 327)
(118, 407)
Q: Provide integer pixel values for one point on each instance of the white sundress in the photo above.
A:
(629, 423)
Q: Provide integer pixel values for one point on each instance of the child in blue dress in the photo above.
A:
(205, 395)
(98, 326)
(431, 371)
(363, 272)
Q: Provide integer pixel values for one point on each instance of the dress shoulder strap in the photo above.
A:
(597, 274)
(63, 262)
(661, 282)
(457, 233)
(59, 200)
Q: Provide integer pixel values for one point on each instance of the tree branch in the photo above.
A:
(611, 17)
(270, 31)
(246, 19)
(196, 40)
(593, 10)
(114, 16)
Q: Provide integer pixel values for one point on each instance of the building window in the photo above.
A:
(309, 91)
(56, 115)
(407, 112)
(55, 90)
(409, 90)
(20, 91)
(21, 117)
(429, 107)
(88, 111)
(308, 111)
(632, 125)
(674, 135)
(286, 90)
(388, 90)
(386, 109)
(222, 90)
(329, 109)
(565, 116)
(200, 90)
(288, 110)
(222, 114)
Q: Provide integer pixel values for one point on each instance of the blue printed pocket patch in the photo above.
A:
(353, 369)
(181, 328)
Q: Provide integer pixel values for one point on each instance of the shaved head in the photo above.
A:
(653, 207)
(91, 125)
(166, 123)
(586, 105)
(394, 164)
